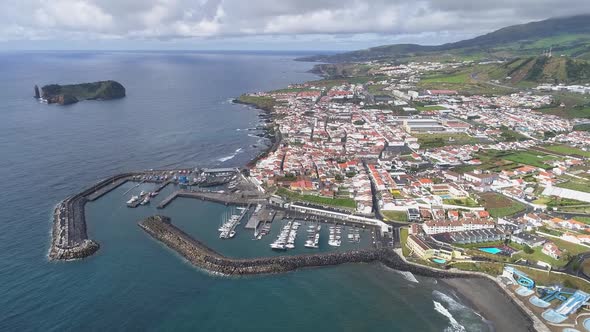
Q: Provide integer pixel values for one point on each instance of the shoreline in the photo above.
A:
(491, 302)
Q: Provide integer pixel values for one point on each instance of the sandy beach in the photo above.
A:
(491, 302)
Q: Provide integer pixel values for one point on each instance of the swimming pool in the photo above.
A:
(491, 250)
(439, 261)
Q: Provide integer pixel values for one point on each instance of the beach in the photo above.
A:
(487, 299)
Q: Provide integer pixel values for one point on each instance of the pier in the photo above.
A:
(224, 198)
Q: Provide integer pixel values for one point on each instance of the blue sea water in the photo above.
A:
(177, 113)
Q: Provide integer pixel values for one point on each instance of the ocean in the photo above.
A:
(177, 113)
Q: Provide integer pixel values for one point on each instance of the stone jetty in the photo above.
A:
(198, 254)
(69, 238)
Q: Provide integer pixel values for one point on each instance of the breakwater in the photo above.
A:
(200, 255)
(69, 239)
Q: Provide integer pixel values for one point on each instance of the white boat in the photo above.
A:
(145, 200)
(133, 199)
(232, 234)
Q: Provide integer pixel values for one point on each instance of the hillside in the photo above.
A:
(541, 69)
(72, 93)
(567, 35)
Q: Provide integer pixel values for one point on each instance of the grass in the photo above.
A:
(538, 255)
(403, 234)
(396, 215)
(337, 202)
(449, 78)
(575, 184)
(568, 150)
(585, 220)
(492, 269)
(262, 102)
(500, 206)
(430, 108)
(467, 202)
(429, 141)
(535, 159)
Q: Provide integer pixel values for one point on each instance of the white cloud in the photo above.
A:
(180, 19)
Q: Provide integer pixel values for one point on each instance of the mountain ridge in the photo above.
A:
(566, 35)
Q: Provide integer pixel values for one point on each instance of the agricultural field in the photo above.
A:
(448, 78)
(575, 184)
(568, 150)
(499, 205)
(532, 158)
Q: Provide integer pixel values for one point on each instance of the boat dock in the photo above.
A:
(217, 197)
(260, 215)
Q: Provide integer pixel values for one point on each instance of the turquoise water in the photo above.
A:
(493, 251)
(439, 261)
(177, 113)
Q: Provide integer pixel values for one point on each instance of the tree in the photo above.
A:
(528, 250)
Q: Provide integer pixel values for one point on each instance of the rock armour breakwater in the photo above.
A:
(69, 239)
(198, 254)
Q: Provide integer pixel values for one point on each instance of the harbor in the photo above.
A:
(251, 216)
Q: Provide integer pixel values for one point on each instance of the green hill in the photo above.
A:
(541, 69)
(72, 93)
(566, 36)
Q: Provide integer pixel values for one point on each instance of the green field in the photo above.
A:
(531, 158)
(430, 108)
(338, 202)
(576, 184)
(429, 141)
(500, 206)
(585, 220)
(569, 150)
(449, 78)
(396, 215)
(467, 202)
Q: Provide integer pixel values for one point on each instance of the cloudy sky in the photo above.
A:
(260, 24)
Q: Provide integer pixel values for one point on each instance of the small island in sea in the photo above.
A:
(73, 93)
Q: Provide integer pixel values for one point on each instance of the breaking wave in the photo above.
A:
(408, 276)
(231, 156)
(455, 326)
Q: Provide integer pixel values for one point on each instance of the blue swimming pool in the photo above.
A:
(491, 250)
(439, 261)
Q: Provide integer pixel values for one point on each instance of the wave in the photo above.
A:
(231, 156)
(451, 302)
(455, 326)
(408, 276)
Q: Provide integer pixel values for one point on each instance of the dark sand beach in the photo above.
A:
(485, 297)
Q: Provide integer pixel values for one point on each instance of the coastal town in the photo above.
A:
(390, 166)
(484, 181)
